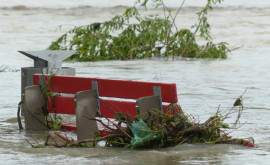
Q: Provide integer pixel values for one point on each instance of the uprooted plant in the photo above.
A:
(134, 36)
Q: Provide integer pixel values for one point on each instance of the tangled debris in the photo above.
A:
(161, 130)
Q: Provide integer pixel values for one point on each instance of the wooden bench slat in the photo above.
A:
(62, 105)
(112, 88)
(107, 106)
(66, 105)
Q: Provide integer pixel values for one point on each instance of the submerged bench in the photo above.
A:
(83, 97)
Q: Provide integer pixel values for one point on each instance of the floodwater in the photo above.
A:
(202, 85)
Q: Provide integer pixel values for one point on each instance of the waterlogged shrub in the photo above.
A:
(150, 36)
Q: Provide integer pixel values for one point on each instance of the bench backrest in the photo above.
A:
(111, 89)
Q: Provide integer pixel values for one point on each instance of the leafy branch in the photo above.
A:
(133, 36)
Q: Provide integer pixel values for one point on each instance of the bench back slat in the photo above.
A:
(62, 105)
(111, 88)
(66, 105)
(108, 107)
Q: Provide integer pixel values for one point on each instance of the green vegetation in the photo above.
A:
(170, 130)
(133, 36)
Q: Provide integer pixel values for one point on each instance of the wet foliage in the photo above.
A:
(133, 36)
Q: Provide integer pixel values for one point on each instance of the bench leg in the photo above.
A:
(146, 104)
(33, 113)
(86, 107)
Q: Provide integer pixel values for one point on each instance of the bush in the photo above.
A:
(149, 36)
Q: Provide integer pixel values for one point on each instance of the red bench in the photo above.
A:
(119, 95)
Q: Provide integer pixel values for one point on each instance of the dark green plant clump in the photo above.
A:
(164, 130)
(150, 36)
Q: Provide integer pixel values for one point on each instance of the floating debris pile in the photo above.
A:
(160, 130)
